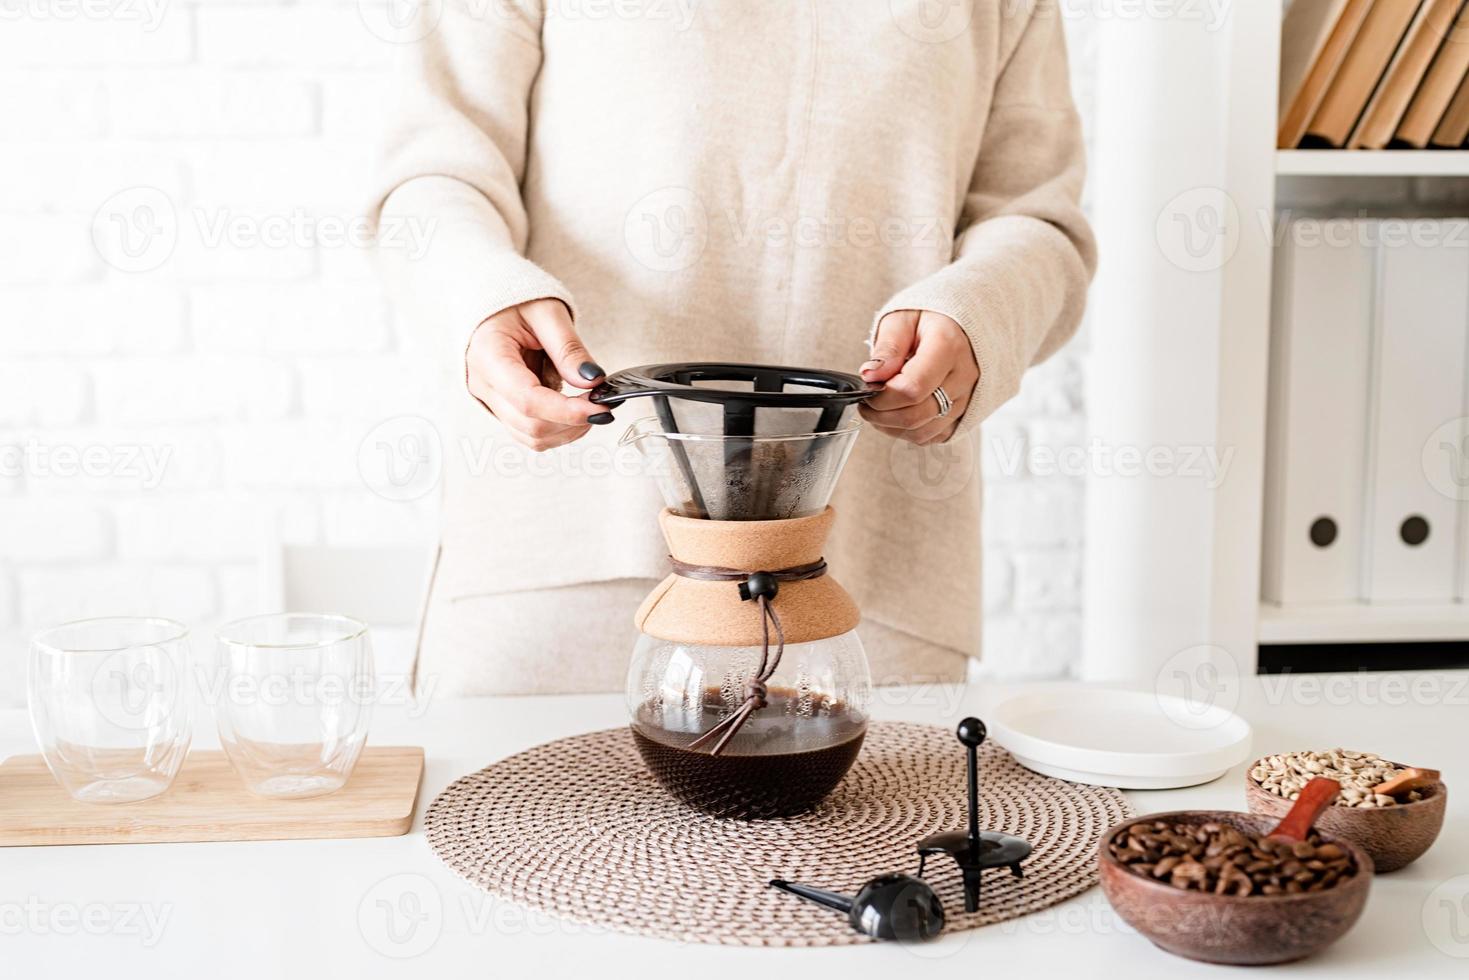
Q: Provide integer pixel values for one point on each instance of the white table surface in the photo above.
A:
(386, 907)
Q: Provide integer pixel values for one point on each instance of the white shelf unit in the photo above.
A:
(1362, 623)
(1180, 356)
(1372, 163)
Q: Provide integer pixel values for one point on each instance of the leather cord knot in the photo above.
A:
(760, 588)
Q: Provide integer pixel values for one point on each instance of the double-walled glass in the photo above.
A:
(295, 699)
(111, 706)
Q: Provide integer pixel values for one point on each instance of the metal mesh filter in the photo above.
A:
(743, 441)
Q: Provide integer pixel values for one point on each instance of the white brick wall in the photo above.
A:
(165, 414)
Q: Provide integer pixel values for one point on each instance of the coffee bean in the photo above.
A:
(1224, 860)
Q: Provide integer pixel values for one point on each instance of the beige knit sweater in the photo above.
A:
(731, 180)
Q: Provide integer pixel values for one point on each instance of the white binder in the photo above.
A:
(1321, 345)
(1418, 397)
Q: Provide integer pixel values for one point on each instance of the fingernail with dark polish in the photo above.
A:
(590, 371)
(601, 418)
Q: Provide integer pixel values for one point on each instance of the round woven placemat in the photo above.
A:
(579, 829)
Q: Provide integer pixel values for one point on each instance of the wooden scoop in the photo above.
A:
(1407, 781)
(1319, 794)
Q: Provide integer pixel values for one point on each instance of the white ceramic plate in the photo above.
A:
(1114, 737)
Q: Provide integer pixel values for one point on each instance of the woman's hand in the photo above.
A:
(914, 353)
(515, 364)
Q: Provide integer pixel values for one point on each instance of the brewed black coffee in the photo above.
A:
(782, 762)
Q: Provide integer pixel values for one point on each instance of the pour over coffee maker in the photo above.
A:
(749, 688)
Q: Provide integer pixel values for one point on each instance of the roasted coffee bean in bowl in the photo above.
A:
(1396, 830)
(1208, 885)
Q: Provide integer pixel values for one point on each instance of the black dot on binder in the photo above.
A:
(1414, 531)
(1323, 532)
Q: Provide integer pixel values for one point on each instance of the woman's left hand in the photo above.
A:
(914, 353)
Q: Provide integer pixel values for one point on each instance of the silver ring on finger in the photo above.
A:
(946, 404)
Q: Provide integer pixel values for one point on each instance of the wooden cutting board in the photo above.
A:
(208, 802)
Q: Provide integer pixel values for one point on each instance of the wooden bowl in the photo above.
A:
(1395, 836)
(1240, 930)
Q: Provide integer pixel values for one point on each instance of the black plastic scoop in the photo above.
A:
(893, 906)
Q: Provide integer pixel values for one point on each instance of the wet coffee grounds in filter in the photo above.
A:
(781, 763)
(1211, 857)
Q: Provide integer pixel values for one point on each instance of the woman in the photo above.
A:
(657, 180)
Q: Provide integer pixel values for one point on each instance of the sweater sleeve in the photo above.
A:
(1024, 253)
(452, 164)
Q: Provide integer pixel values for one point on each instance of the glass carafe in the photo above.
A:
(749, 689)
(786, 758)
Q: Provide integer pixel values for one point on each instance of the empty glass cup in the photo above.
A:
(295, 698)
(110, 705)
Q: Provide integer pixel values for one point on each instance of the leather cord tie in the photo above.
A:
(759, 588)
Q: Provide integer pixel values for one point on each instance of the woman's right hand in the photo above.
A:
(515, 364)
